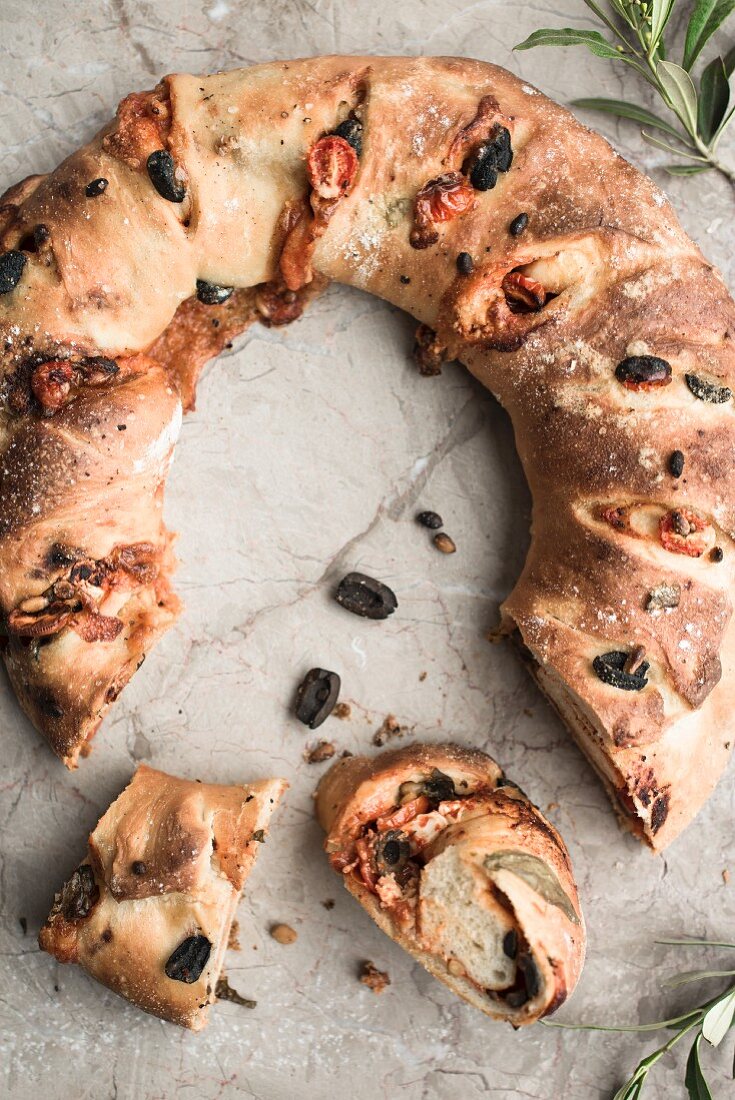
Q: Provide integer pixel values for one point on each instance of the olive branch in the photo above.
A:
(636, 35)
(709, 1021)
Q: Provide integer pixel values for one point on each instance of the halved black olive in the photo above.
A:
(96, 187)
(79, 894)
(510, 944)
(610, 668)
(708, 391)
(484, 171)
(643, 371)
(211, 294)
(162, 173)
(366, 597)
(432, 520)
(316, 696)
(439, 787)
(392, 852)
(11, 269)
(351, 131)
(518, 225)
(186, 963)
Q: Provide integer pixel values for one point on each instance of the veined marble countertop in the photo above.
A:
(309, 452)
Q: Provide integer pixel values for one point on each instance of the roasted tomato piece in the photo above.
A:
(682, 531)
(332, 166)
(51, 382)
(440, 200)
(523, 295)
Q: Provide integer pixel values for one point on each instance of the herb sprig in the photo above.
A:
(636, 35)
(709, 1021)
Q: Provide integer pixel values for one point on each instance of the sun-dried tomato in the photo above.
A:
(681, 532)
(403, 814)
(51, 382)
(523, 295)
(331, 167)
(440, 200)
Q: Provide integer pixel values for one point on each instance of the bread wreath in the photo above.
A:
(455, 864)
(600, 327)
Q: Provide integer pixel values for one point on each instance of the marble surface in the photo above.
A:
(310, 451)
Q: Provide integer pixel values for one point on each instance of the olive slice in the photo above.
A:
(11, 269)
(439, 787)
(351, 131)
(707, 391)
(316, 696)
(162, 173)
(187, 962)
(211, 294)
(610, 668)
(392, 852)
(643, 371)
(366, 597)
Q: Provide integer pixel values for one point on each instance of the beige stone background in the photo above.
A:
(310, 451)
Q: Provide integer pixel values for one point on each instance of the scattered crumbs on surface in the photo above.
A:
(319, 752)
(528, 712)
(223, 991)
(283, 933)
(328, 903)
(726, 876)
(376, 980)
(343, 711)
(233, 942)
(259, 835)
(552, 806)
(422, 677)
(389, 729)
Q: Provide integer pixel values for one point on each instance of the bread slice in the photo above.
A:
(149, 911)
(454, 863)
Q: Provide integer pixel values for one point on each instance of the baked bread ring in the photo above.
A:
(149, 911)
(600, 327)
(454, 863)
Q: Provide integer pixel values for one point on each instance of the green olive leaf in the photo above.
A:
(536, 874)
(660, 14)
(714, 97)
(686, 169)
(694, 1079)
(567, 36)
(719, 1019)
(626, 110)
(706, 17)
(682, 94)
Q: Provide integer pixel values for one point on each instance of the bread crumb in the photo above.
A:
(223, 991)
(390, 728)
(726, 876)
(342, 710)
(283, 933)
(374, 979)
(318, 753)
(552, 806)
(233, 942)
(328, 903)
(422, 677)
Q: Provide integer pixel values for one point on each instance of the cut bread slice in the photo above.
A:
(149, 911)
(455, 864)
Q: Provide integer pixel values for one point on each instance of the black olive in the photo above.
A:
(503, 149)
(96, 187)
(351, 131)
(708, 391)
(432, 520)
(518, 224)
(11, 269)
(716, 554)
(484, 172)
(676, 463)
(41, 235)
(316, 697)
(211, 294)
(186, 963)
(610, 668)
(643, 370)
(138, 867)
(465, 263)
(162, 173)
(516, 998)
(366, 597)
(530, 973)
(392, 852)
(79, 894)
(438, 787)
(510, 944)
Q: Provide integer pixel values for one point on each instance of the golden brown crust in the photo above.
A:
(500, 825)
(618, 276)
(168, 861)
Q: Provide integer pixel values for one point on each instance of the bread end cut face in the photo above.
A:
(455, 864)
(149, 911)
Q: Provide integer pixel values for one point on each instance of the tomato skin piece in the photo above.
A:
(331, 167)
(526, 293)
(676, 543)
